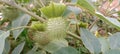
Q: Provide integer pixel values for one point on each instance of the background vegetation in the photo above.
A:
(59, 27)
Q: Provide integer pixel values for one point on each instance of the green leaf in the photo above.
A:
(33, 50)
(90, 41)
(75, 10)
(113, 51)
(86, 5)
(55, 45)
(3, 36)
(21, 21)
(114, 41)
(104, 44)
(6, 47)
(66, 50)
(53, 10)
(82, 49)
(111, 21)
(66, 12)
(18, 49)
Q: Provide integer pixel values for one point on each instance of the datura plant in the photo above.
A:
(52, 32)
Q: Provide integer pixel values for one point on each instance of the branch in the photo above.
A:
(12, 3)
(19, 28)
(73, 35)
(40, 1)
(69, 4)
(94, 22)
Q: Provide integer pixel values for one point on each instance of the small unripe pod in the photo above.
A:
(38, 26)
(84, 25)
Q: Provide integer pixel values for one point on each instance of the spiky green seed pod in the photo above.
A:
(41, 38)
(56, 28)
(10, 13)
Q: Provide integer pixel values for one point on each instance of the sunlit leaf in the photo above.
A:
(90, 41)
(3, 36)
(86, 5)
(21, 21)
(114, 41)
(66, 50)
(18, 49)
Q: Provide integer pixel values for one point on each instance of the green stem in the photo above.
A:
(12, 3)
(93, 23)
(40, 1)
(19, 28)
(73, 35)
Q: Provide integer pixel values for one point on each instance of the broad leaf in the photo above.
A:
(75, 10)
(66, 12)
(113, 51)
(111, 21)
(66, 50)
(6, 47)
(21, 21)
(90, 41)
(104, 44)
(55, 45)
(18, 49)
(3, 36)
(86, 5)
(33, 50)
(114, 41)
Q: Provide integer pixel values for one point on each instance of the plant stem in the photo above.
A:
(69, 4)
(93, 23)
(42, 3)
(73, 35)
(19, 28)
(12, 3)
